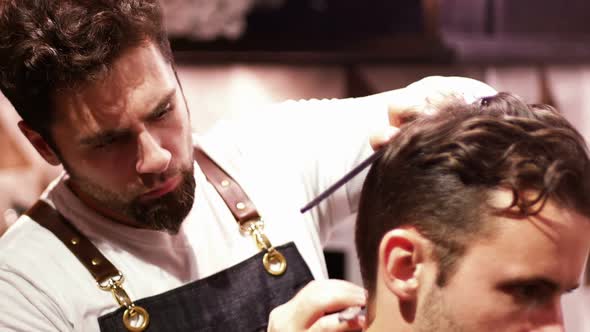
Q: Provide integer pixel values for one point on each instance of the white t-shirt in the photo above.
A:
(282, 157)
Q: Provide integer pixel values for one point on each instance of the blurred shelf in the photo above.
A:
(519, 50)
(384, 50)
(456, 50)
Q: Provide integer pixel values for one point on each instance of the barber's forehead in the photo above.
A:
(136, 82)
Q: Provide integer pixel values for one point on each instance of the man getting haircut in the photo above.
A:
(162, 244)
(476, 218)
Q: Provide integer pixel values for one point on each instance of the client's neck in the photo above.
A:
(386, 313)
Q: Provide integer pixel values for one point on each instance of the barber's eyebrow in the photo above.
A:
(108, 135)
(105, 136)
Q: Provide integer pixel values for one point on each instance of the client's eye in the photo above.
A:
(530, 292)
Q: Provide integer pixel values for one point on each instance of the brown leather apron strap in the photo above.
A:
(108, 278)
(231, 192)
(243, 211)
(100, 268)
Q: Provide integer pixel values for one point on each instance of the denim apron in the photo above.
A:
(239, 298)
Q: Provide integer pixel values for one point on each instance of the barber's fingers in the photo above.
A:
(431, 93)
(335, 323)
(399, 117)
(380, 138)
(321, 297)
(317, 300)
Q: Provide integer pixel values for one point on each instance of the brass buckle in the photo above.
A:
(273, 261)
(107, 284)
(135, 318)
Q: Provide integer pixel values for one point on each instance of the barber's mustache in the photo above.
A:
(151, 181)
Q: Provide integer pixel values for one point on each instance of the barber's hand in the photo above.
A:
(429, 93)
(405, 104)
(380, 138)
(425, 95)
(315, 308)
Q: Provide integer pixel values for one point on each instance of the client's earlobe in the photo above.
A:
(400, 260)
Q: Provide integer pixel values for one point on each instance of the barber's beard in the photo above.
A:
(433, 314)
(165, 213)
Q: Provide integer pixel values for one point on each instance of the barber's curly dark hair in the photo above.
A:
(46, 45)
(438, 173)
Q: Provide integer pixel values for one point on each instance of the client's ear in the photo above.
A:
(401, 256)
(39, 143)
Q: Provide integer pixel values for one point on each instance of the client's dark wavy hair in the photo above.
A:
(46, 45)
(438, 173)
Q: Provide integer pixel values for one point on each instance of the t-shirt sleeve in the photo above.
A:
(25, 308)
(319, 141)
(333, 138)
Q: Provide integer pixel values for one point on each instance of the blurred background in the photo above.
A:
(236, 55)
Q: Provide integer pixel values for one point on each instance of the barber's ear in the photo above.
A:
(39, 143)
(401, 254)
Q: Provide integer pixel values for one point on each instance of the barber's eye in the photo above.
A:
(162, 112)
(104, 143)
(112, 141)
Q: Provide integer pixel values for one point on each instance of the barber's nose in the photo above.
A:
(151, 158)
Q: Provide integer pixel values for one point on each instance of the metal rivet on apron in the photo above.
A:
(224, 183)
(96, 261)
(75, 241)
(240, 206)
